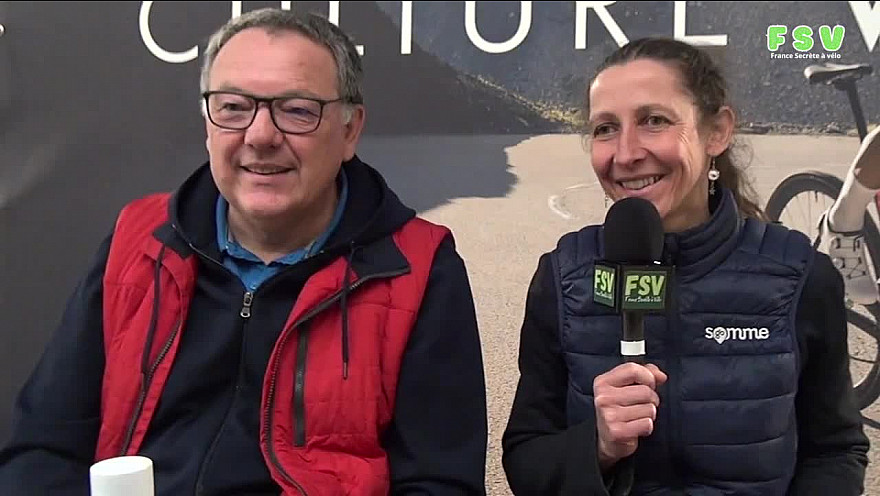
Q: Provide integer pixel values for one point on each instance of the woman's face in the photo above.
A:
(646, 141)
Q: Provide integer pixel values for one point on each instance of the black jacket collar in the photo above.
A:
(696, 251)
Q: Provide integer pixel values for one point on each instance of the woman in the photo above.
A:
(728, 412)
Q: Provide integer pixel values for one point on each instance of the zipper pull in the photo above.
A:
(246, 304)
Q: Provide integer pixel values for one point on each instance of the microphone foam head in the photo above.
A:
(633, 232)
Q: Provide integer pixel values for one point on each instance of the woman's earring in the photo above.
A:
(606, 202)
(714, 174)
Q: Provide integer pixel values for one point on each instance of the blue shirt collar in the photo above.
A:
(228, 246)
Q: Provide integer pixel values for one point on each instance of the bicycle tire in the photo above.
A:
(868, 389)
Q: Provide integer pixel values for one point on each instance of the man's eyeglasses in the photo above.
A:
(291, 115)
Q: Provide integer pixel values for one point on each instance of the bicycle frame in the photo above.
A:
(849, 87)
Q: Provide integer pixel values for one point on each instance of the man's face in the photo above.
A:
(263, 173)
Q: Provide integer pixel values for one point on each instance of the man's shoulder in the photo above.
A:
(137, 225)
(149, 208)
(140, 217)
(419, 229)
(436, 242)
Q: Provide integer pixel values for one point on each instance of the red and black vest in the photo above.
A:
(321, 425)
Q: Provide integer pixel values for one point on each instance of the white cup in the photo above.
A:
(122, 476)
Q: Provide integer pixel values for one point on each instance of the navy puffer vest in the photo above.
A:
(726, 422)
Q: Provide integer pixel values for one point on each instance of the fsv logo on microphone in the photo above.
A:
(643, 287)
(603, 291)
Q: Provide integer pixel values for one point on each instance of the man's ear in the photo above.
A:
(353, 129)
(720, 128)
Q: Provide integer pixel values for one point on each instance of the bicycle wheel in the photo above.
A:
(798, 203)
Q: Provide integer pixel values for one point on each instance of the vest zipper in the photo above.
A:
(200, 484)
(299, 385)
(674, 394)
(145, 386)
(673, 385)
(246, 304)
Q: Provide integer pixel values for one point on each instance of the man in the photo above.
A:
(281, 323)
(841, 226)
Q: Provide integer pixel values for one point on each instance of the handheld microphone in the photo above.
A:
(629, 278)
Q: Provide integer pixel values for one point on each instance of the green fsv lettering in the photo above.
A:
(802, 37)
(604, 281)
(831, 40)
(775, 36)
(645, 284)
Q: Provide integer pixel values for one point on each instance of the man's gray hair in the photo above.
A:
(313, 26)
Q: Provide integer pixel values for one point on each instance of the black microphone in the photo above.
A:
(630, 278)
